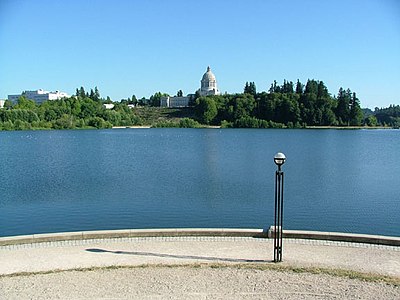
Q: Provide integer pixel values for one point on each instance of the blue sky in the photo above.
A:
(141, 47)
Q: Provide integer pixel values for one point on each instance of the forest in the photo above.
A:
(291, 106)
(283, 106)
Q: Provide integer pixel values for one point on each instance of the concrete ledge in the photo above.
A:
(131, 233)
(338, 236)
(181, 232)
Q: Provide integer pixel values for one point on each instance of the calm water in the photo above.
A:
(335, 180)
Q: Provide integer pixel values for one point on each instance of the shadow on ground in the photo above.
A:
(162, 255)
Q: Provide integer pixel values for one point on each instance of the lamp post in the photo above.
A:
(279, 160)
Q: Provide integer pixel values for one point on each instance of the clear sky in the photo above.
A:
(141, 47)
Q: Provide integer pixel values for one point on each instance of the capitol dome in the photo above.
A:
(208, 76)
(209, 84)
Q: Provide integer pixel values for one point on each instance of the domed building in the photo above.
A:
(209, 84)
(208, 87)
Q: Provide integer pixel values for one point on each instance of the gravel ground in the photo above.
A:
(187, 282)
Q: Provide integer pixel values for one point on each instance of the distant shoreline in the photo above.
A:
(149, 126)
(217, 127)
(131, 127)
(307, 127)
(348, 127)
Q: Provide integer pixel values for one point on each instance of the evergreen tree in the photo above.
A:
(253, 89)
(134, 100)
(275, 88)
(343, 106)
(322, 91)
(299, 87)
(246, 88)
(91, 95)
(287, 87)
(96, 94)
(388, 116)
(82, 93)
(250, 88)
(311, 87)
(355, 114)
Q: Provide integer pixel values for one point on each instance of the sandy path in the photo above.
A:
(186, 279)
(203, 282)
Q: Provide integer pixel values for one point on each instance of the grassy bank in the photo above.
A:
(154, 115)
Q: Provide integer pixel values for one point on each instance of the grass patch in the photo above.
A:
(154, 115)
(350, 274)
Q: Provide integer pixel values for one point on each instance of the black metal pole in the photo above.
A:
(275, 215)
(278, 219)
(281, 226)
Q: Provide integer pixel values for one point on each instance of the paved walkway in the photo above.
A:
(66, 255)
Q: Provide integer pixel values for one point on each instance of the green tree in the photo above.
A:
(25, 103)
(22, 125)
(299, 87)
(343, 106)
(8, 104)
(309, 112)
(179, 93)
(81, 92)
(8, 125)
(133, 100)
(188, 123)
(287, 109)
(250, 88)
(155, 100)
(98, 123)
(275, 88)
(96, 94)
(243, 106)
(206, 109)
(89, 108)
(371, 121)
(287, 87)
(64, 122)
(355, 114)
(91, 95)
(389, 116)
(267, 104)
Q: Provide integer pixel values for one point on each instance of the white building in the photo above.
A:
(2, 103)
(175, 101)
(208, 87)
(39, 96)
(209, 84)
(108, 105)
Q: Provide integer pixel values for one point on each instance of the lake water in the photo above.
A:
(335, 180)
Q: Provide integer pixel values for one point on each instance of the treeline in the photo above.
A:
(287, 105)
(85, 110)
(389, 116)
(283, 106)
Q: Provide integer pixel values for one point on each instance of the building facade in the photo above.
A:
(208, 84)
(208, 87)
(175, 101)
(39, 96)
